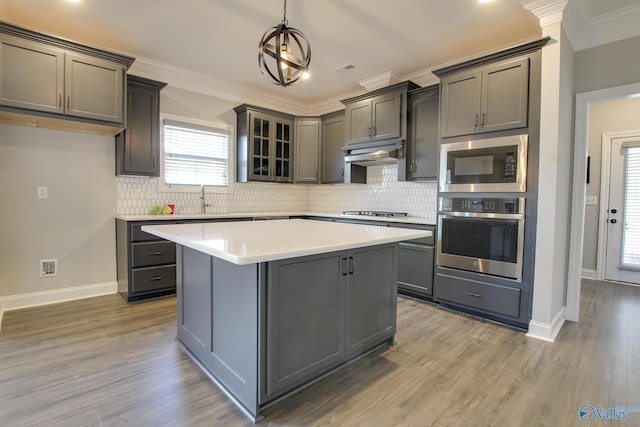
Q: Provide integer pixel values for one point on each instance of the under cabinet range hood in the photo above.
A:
(373, 154)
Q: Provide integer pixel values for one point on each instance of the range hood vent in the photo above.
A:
(374, 154)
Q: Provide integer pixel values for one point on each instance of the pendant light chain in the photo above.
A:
(284, 17)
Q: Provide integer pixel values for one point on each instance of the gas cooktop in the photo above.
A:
(376, 213)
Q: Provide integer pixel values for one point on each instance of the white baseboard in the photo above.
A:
(547, 331)
(15, 302)
(589, 274)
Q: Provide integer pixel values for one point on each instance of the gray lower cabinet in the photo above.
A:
(332, 158)
(146, 264)
(264, 330)
(416, 259)
(324, 309)
(490, 298)
(138, 145)
(44, 74)
(416, 269)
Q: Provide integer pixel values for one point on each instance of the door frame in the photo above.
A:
(578, 190)
(605, 178)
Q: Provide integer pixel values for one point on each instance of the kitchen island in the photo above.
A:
(265, 308)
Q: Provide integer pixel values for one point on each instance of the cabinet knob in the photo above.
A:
(613, 221)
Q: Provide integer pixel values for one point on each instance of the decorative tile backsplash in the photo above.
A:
(136, 196)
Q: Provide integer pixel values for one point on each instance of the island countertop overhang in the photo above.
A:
(246, 242)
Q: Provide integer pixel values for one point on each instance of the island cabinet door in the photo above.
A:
(304, 321)
(371, 297)
(218, 320)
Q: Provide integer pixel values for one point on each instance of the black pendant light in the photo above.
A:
(284, 53)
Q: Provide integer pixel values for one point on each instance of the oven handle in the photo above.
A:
(448, 214)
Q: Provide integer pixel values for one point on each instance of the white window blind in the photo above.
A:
(631, 235)
(195, 155)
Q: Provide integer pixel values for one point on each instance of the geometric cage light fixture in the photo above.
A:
(284, 53)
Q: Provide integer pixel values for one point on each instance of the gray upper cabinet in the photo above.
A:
(94, 88)
(265, 145)
(138, 146)
(421, 156)
(377, 116)
(57, 78)
(332, 143)
(307, 151)
(32, 75)
(485, 99)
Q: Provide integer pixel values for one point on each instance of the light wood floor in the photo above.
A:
(98, 362)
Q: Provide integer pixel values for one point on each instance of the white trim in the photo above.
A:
(583, 101)
(588, 273)
(34, 299)
(547, 332)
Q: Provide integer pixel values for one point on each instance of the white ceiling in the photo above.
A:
(215, 41)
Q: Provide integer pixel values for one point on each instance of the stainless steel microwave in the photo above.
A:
(484, 165)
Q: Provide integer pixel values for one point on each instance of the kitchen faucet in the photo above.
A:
(203, 204)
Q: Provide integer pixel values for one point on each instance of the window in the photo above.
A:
(631, 230)
(195, 154)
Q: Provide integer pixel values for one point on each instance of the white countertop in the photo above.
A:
(248, 242)
(407, 220)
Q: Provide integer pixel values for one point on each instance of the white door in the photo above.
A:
(623, 219)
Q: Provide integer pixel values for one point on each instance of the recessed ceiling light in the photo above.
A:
(74, 1)
(485, 1)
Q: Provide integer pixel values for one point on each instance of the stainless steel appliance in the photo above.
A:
(484, 235)
(484, 165)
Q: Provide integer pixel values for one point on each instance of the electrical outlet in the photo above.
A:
(48, 267)
(43, 193)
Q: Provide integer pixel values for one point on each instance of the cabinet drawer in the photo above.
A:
(155, 253)
(137, 235)
(153, 279)
(483, 296)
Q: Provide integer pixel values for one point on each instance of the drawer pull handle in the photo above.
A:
(155, 279)
(155, 253)
(471, 294)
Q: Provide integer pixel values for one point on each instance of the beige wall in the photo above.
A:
(606, 117)
(609, 65)
(75, 224)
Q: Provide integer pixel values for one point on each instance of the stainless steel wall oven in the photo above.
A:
(484, 235)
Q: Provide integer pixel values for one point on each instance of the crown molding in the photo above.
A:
(182, 78)
(423, 78)
(607, 28)
(548, 12)
(379, 81)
